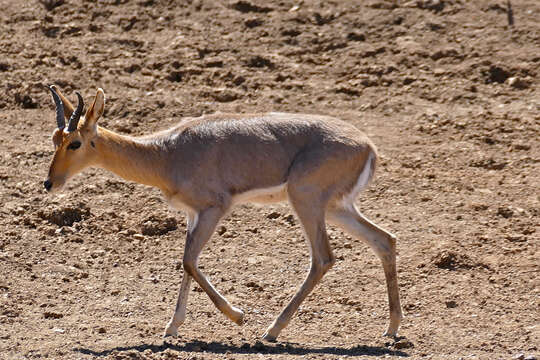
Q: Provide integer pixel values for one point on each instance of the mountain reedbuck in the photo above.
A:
(208, 164)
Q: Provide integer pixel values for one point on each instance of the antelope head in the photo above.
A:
(74, 147)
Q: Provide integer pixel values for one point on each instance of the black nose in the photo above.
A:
(47, 184)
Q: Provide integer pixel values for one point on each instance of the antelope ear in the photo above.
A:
(95, 110)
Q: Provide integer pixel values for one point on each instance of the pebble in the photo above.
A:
(273, 215)
(517, 82)
(222, 230)
(403, 344)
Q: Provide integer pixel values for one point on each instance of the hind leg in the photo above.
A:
(311, 214)
(383, 244)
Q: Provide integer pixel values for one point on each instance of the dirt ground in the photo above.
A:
(447, 90)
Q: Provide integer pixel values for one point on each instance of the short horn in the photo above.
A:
(60, 121)
(76, 116)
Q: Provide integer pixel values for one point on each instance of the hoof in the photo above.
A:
(170, 332)
(393, 326)
(238, 316)
(270, 338)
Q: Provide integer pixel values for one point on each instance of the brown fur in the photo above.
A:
(205, 165)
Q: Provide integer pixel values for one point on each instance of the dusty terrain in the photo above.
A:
(447, 90)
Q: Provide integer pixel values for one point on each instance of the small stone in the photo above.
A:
(273, 215)
(52, 315)
(403, 344)
(138, 236)
(450, 304)
(517, 82)
(290, 219)
(101, 330)
(222, 230)
(58, 330)
(519, 356)
(505, 212)
(530, 357)
(516, 237)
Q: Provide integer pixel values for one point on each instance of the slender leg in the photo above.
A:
(322, 259)
(383, 244)
(196, 240)
(180, 311)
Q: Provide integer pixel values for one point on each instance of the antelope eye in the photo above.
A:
(74, 145)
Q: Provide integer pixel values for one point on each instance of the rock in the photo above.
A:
(156, 225)
(65, 215)
(259, 62)
(519, 356)
(450, 304)
(251, 23)
(175, 76)
(495, 74)
(289, 219)
(505, 211)
(451, 260)
(26, 101)
(518, 83)
(446, 52)
(355, 36)
(516, 237)
(222, 230)
(52, 315)
(254, 285)
(222, 95)
(273, 215)
(246, 6)
(403, 344)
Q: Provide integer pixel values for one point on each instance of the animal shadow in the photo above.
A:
(257, 348)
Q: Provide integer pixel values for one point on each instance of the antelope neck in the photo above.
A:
(130, 158)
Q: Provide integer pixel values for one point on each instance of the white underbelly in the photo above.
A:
(262, 196)
(259, 196)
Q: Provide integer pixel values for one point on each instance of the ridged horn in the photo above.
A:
(76, 116)
(60, 121)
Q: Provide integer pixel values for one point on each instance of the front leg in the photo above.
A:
(180, 311)
(196, 240)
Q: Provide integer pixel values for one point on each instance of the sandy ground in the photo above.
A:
(447, 90)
